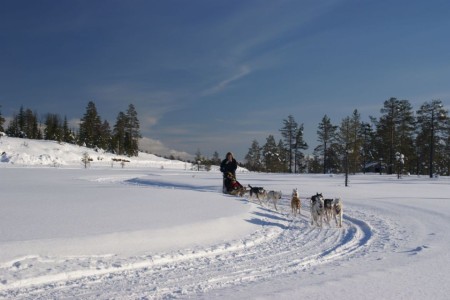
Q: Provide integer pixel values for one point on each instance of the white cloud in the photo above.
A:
(157, 147)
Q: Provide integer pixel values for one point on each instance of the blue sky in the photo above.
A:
(216, 75)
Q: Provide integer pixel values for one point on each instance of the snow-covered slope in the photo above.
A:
(26, 152)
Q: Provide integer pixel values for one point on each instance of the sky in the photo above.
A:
(215, 75)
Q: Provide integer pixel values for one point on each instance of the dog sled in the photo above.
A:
(231, 186)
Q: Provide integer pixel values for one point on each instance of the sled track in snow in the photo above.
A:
(283, 245)
(272, 251)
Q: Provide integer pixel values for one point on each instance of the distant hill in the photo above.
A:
(27, 152)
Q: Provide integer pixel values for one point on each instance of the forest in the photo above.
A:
(401, 141)
(122, 139)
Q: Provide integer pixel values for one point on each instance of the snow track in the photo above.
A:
(283, 245)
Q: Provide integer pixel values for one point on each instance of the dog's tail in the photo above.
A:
(251, 190)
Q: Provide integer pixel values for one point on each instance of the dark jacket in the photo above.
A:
(228, 166)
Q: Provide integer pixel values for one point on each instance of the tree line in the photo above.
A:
(122, 139)
(401, 140)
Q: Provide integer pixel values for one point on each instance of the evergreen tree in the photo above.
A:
(326, 135)
(13, 127)
(271, 155)
(289, 133)
(24, 124)
(216, 159)
(119, 134)
(21, 122)
(299, 145)
(90, 127)
(53, 128)
(284, 157)
(105, 137)
(253, 157)
(2, 121)
(356, 143)
(68, 136)
(405, 129)
(395, 132)
(432, 135)
(30, 124)
(367, 138)
(132, 132)
(446, 137)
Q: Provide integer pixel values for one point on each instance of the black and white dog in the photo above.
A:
(317, 209)
(257, 192)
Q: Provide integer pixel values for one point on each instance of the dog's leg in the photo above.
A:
(260, 202)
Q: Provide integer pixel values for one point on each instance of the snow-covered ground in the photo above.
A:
(155, 229)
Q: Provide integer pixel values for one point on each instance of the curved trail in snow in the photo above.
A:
(283, 246)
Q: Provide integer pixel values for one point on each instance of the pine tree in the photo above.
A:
(289, 133)
(68, 136)
(119, 131)
(253, 157)
(2, 120)
(216, 159)
(13, 127)
(132, 132)
(271, 155)
(105, 137)
(284, 157)
(355, 153)
(53, 128)
(395, 130)
(326, 136)
(30, 124)
(345, 139)
(367, 138)
(90, 127)
(299, 145)
(432, 135)
(24, 124)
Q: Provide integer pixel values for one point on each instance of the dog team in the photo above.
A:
(321, 210)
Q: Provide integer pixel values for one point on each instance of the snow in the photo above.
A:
(155, 229)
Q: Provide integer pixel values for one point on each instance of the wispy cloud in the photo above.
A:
(219, 87)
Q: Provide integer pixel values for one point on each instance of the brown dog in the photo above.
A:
(296, 204)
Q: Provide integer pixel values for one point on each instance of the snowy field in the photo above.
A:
(155, 229)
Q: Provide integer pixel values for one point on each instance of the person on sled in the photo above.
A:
(232, 186)
(228, 165)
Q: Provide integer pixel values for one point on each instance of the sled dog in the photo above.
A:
(275, 196)
(257, 192)
(317, 209)
(295, 203)
(328, 205)
(338, 211)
